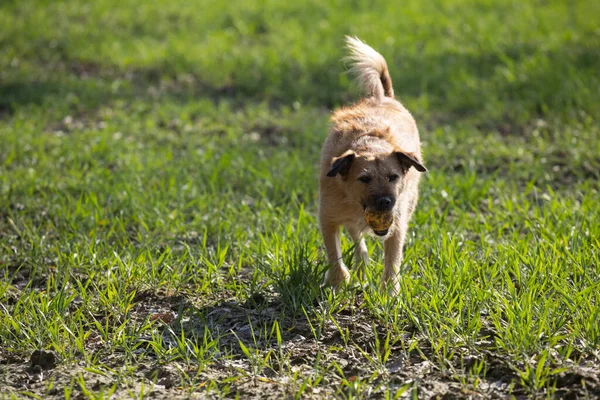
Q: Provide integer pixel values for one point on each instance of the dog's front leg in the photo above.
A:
(392, 260)
(337, 272)
(361, 253)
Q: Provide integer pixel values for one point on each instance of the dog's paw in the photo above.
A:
(336, 275)
(391, 284)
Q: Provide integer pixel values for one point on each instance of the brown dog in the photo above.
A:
(370, 163)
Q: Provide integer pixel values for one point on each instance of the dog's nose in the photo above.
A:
(385, 203)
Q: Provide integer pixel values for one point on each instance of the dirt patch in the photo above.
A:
(347, 351)
(25, 275)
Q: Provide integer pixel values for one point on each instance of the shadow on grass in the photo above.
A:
(514, 83)
(296, 291)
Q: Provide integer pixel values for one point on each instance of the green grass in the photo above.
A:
(158, 187)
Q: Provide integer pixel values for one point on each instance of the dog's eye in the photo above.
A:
(393, 177)
(365, 179)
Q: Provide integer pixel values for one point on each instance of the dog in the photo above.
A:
(371, 162)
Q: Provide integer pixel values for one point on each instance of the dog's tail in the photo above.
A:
(370, 68)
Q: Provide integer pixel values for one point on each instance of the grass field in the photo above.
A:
(158, 192)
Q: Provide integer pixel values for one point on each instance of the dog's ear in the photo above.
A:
(410, 160)
(341, 165)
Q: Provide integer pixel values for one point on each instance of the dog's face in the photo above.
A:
(374, 181)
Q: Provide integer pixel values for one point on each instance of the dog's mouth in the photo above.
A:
(381, 233)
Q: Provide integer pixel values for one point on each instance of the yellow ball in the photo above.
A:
(379, 220)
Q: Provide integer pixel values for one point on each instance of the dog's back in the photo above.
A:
(377, 114)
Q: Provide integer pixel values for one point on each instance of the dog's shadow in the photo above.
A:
(269, 317)
(229, 322)
(263, 320)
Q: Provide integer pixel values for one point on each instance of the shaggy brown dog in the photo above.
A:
(370, 164)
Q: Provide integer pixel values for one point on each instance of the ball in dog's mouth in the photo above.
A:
(379, 221)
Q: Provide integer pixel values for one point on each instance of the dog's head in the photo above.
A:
(375, 180)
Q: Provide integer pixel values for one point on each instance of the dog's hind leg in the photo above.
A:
(361, 253)
(337, 272)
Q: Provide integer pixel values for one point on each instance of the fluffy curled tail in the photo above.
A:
(370, 68)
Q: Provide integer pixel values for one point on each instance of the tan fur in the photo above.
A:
(376, 139)
(370, 68)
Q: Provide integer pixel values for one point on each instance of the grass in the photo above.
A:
(158, 232)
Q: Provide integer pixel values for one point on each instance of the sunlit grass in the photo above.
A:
(158, 231)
